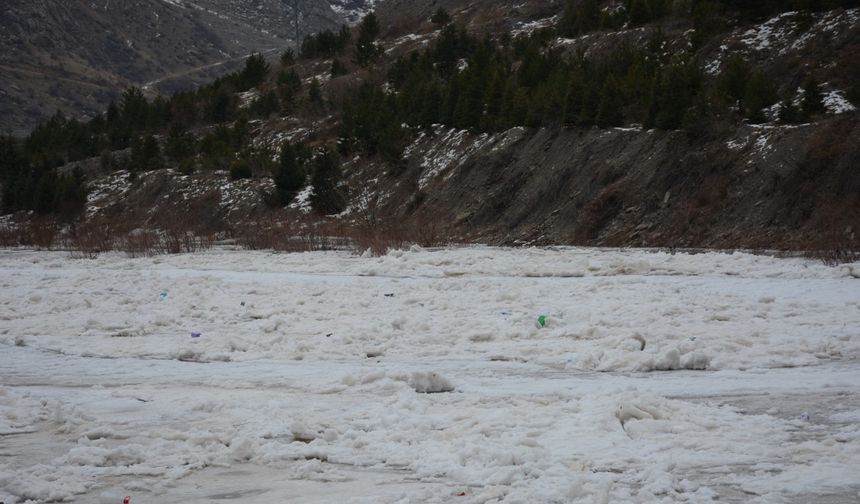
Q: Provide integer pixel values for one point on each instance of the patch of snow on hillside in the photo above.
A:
(109, 188)
(737, 144)
(411, 37)
(302, 201)
(763, 146)
(274, 140)
(836, 102)
(770, 32)
(526, 28)
(715, 65)
(446, 151)
(353, 10)
(248, 98)
(233, 192)
(441, 156)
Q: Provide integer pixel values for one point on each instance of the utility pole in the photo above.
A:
(296, 14)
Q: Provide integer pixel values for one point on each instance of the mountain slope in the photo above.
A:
(545, 132)
(76, 55)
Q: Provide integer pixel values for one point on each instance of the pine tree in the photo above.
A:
(494, 97)
(45, 193)
(179, 144)
(609, 112)
(70, 195)
(788, 112)
(315, 92)
(255, 72)
(289, 85)
(146, 154)
(446, 52)
(338, 68)
(265, 105)
(241, 169)
(638, 12)
(470, 105)
(112, 114)
(573, 101)
(12, 168)
(732, 82)
(221, 106)
(344, 37)
(429, 114)
(134, 109)
(366, 49)
(326, 197)
(759, 94)
(589, 104)
(440, 17)
(580, 17)
(813, 102)
(708, 19)
(290, 175)
(288, 58)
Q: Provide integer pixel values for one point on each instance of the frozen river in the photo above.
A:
(656, 378)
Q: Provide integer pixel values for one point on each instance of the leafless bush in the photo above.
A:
(140, 243)
(834, 246)
(380, 237)
(834, 240)
(312, 234)
(179, 232)
(836, 254)
(427, 230)
(40, 232)
(269, 231)
(91, 238)
(9, 235)
(289, 233)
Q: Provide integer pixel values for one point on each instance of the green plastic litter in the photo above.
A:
(542, 320)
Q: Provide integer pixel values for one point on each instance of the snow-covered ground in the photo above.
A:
(657, 377)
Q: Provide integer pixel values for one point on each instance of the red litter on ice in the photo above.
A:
(127, 500)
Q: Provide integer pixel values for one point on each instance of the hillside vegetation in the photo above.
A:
(642, 122)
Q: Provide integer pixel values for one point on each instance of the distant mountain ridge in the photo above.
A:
(76, 55)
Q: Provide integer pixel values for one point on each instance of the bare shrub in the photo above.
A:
(312, 234)
(268, 232)
(834, 241)
(9, 235)
(381, 237)
(427, 230)
(290, 233)
(91, 238)
(179, 232)
(140, 243)
(40, 232)
(369, 231)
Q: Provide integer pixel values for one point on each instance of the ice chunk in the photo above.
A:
(429, 383)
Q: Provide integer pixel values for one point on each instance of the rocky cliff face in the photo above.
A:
(752, 187)
(76, 55)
